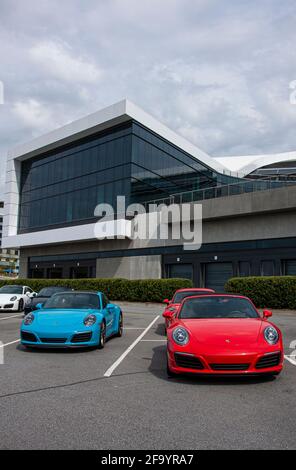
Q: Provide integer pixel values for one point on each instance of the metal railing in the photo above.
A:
(233, 189)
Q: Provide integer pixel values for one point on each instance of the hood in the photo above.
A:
(5, 298)
(62, 317)
(221, 331)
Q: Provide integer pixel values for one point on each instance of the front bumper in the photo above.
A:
(240, 363)
(66, 339)
(10, 306)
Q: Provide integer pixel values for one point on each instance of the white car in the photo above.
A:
(14, 297)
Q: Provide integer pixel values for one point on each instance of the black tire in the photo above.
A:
(102, 340)
(120, 326)
(21, 305)
(170, 374)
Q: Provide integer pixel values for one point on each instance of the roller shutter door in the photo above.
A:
(181, 271)
(216, 275)
(290, 267)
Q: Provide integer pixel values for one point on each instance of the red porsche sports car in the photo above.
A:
(223, 334)
(180, 294)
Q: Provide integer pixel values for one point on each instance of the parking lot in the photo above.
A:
(121, 398)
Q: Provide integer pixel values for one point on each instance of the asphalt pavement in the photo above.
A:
(121, 398)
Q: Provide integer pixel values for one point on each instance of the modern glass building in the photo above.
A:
(63, 187)
(54, 183)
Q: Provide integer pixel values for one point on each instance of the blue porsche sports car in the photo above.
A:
(72, 319)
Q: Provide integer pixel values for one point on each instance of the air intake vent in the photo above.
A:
(81, 337)
(188, 361)
(25, 336)
(53, 340)
(229, 366)
(270, 360)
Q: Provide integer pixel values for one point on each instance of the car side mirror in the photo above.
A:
(39, 306)
(267, 313)
(167, 314)
(166, 301)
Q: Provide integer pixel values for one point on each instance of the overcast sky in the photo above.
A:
(216, 71)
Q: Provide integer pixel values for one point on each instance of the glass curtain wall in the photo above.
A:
(65, 186)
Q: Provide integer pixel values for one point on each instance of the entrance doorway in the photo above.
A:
(79, 272)
(54, 273)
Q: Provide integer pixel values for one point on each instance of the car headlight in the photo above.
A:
(29, 319)
(271, 335)
(90, 320)
(13, 298)
(172, 309)
(180, 336)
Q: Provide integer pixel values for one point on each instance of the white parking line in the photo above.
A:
(291, 359)
(7, 344)
(11, 316)
(111, 369)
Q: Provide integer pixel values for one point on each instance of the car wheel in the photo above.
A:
(21, 305)
(120, 326)
(170, 374)
(102, 336)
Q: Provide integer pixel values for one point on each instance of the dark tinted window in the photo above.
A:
(160, 169)
(49, 291)
(179, 296)
(73, 301)
(11, 290)
(105, 300)
(218, 307)
(66, 185)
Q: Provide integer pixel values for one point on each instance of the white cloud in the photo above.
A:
(33, 114)
(60, 62)
(216, 71)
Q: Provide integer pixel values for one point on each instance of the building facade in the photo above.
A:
(9, 258)
(54, 183)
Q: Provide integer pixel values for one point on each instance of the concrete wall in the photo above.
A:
(133, 267)
(23, 267)
(262, 215)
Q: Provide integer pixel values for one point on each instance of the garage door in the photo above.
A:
(216, 274)
(290, 267)
(181, 271)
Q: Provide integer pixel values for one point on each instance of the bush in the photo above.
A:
(146, 290)
(273, 291)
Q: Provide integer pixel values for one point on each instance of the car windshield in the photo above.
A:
(73, 301)
(218, 307)
(179, 296)
(11, 290)
(49, 291)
